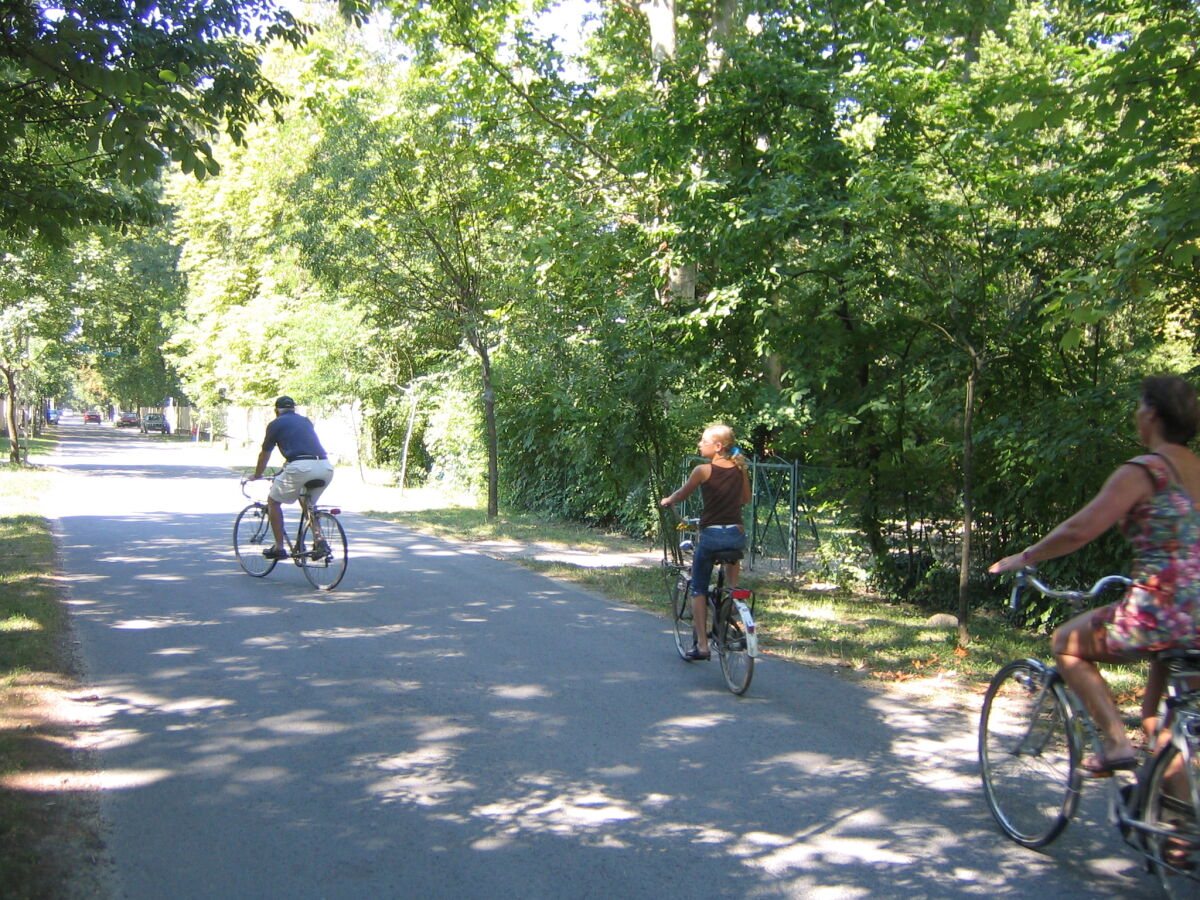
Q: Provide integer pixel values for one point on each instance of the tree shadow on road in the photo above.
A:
(460, 726)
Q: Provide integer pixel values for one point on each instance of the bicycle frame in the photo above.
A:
(717, 593)
(308, 511)
(732, 633)
(323, 564)
(1034, 748)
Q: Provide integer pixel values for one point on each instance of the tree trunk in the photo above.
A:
(660, 15)
(968, 464)
(489, 418)
(10, 413)
(412, 418)
(724, 18)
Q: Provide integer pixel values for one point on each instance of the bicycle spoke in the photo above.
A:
(252, 535)
(1172, 836)
(737, 666)
(324, 559)
(681, 614)
(1027, 754)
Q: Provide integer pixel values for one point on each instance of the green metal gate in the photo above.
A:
(779, 522)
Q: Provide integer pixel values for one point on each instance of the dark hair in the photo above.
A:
(1174, 401)
(285, 403)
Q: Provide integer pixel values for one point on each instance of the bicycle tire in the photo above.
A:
(252, 535)
(681, 614)
(737, 665)
(1029, 753)
(324, 571)
(1169, 808)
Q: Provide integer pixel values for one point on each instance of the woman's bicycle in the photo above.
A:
(322, 559)
(733, 635)
(1032, 735)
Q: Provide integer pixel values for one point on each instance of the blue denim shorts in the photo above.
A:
(712, 540)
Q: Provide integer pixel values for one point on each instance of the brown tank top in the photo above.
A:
(722, 495)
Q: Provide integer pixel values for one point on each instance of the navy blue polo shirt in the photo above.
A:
(294, 435)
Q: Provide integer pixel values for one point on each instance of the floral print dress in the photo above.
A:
(1162, 608)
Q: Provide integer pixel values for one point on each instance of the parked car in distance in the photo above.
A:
(91, 416)
(129, 420)
(52, 416)
(155, 422)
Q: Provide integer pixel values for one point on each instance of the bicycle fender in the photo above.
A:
(751, 628)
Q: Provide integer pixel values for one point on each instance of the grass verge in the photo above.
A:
(40, 828)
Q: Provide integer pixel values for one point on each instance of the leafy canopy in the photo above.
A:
(96, 96)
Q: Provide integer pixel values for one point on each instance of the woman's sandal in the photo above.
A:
(1098, 766)
(1177, 853)
(695, 655)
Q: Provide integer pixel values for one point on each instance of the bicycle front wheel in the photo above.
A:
(252, 535)
(325, 565)
(737, 665)
(681, 614)
(1172, 835)
(1028, 753)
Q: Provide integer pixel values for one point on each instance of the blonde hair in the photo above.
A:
(723, 435)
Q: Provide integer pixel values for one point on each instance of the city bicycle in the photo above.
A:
(322, 560)
(1033, 732)
(733, 634)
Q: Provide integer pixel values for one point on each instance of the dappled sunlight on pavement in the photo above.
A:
(451, 725)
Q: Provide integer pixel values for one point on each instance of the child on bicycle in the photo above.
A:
(1153, 497)
(725, 489)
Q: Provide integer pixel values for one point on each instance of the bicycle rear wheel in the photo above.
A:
(737, 665)
(324, 567)
(681, 614)
(1172, 839)
(252, 535)
(1028, 753)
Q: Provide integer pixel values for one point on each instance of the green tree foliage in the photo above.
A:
(259, 320)
(97, 95)
(101, 305)
(928, 249)
(126, 293)
(256, 324)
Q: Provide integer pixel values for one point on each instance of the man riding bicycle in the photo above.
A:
(305, 461)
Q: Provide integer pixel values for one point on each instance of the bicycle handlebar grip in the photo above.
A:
(1014, 599)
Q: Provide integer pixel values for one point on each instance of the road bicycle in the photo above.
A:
(1032, 735)
(733, 634)
(323, 561)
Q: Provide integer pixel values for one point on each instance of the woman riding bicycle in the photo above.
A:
(725, 489)
(1153, 497)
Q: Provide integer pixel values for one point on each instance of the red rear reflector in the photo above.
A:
(335, 512)
(739, 594)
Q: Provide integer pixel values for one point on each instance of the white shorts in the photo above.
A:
(290, 481)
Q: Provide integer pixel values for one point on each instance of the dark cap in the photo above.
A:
(285, 403)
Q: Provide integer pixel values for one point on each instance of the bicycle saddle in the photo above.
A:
(315, 483)
(1181, 661)
(727, 556)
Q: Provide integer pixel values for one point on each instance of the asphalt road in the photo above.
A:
(451, 725)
